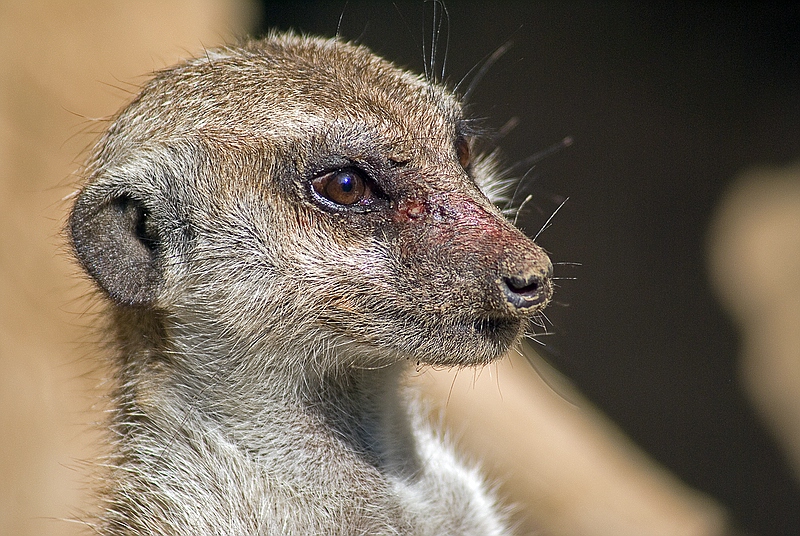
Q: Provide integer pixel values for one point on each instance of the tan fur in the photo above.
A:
(263, 329)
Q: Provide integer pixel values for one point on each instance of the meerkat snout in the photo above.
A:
(529, 291)
(526, 278)
(280, 229)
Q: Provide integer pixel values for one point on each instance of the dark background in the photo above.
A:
(666, 104)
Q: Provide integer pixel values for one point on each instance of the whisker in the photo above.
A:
(544, 153)
(436, 28)
(534, 339)
(425, 57)
(339, 24)
(551, 377)
(521, 206)
(447, 40)
(509, 125)
(490, 60)
(516, 191)
(547, 223)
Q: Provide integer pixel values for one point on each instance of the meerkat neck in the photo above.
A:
(362, 411)
(375, 419)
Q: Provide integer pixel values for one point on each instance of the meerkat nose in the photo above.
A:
(531, 289)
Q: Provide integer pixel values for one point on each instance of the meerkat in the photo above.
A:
(282, 230)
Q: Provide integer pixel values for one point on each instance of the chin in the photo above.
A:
(476, 342)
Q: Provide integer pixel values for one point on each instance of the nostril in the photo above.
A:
(526, 287)
(525, 292)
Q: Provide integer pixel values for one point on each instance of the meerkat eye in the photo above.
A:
(463, 151)
(344, 187)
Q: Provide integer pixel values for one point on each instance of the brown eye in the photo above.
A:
(343, 187)
(463, 152)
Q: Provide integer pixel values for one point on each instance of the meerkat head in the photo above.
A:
(303, 193)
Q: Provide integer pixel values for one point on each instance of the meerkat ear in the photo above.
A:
(117, 243)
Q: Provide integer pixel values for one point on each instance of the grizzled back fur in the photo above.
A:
(280, 228)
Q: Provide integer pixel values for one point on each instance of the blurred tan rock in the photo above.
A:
(570, 470)
(754, 255)
(62, 64)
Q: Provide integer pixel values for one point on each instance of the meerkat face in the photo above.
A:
(298, 192)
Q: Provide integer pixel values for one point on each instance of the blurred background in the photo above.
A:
(680, 323)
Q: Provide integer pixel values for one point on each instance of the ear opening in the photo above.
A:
(117, 243)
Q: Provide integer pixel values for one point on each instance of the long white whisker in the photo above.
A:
(521, 206)
(547, 223)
